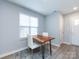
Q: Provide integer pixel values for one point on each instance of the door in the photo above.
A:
(75, 30)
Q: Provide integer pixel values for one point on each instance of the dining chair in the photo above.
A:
(45, 33)
(47, 43)
(31, 44)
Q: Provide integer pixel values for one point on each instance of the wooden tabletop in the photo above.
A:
(42, 39)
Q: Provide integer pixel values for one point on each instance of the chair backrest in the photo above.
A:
(45, 33)
(30, 40)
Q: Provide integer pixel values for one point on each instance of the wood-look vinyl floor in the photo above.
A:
(63, 52)
(66, 52)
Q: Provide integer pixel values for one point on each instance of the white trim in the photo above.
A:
(74, 44)
(67, 43)
(58, 45)
(12, 52)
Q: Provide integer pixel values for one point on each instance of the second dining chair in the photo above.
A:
(45, 33)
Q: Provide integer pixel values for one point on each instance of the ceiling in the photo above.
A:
(47, 7)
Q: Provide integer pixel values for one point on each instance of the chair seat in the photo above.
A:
(35, 45)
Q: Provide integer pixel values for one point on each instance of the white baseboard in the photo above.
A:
(67, 43)
(58, 45)
(12, 52)
(74, 44)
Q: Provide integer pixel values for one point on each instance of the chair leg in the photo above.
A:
(50, 48)
(43, 51)
(31, 53)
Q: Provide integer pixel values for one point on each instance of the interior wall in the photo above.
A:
(9, 26)
(68, 18)
(54, 26)
(67, 32)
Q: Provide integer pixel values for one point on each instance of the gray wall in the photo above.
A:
(9, 26)
(68, 34)
(67, 31)
(53, 27)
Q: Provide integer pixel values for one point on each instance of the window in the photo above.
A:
(28, 25)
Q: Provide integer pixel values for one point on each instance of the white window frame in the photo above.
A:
(29, 27)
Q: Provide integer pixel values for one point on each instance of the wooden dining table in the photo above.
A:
(43, 40)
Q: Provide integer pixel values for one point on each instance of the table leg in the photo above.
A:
(43, 48)
(50, 48)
